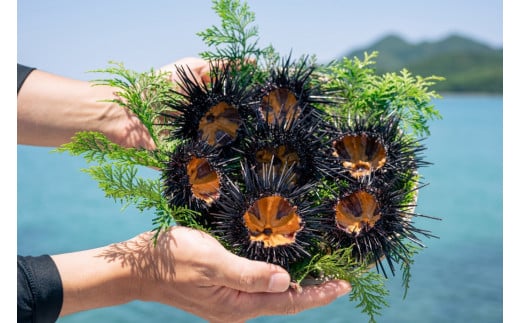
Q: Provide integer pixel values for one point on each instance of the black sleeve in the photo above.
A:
(40, 291)
(23, 72)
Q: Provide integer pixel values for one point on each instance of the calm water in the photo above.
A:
(458, 278)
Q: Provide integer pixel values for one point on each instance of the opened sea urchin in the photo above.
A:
(376, 146)
(193, 175)
(268, 218)
(212, 112)
(287, 94)
(376, 219)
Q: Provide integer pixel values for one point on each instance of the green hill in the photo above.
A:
(466, 64)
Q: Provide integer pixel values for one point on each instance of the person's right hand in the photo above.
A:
(190, 270)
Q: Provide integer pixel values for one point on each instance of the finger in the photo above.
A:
(205, 77)
(252, 276)
(293, 301)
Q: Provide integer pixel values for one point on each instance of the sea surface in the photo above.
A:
(457, 278)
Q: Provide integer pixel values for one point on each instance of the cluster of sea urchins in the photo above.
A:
(254, 154)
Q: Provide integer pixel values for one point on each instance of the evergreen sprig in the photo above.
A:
(120, 182)
(369, 291)
(363, 91)
(166, 216)
(236, 39)
(368, 287)
(406, 267)
(95, 147)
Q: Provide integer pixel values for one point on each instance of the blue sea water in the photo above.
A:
(457, 278)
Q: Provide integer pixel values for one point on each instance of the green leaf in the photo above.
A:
(236, 39)
(364, 92)
(95, 147)
(368, 287)
(119, 181)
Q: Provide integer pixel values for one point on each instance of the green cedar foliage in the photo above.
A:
(364, 92)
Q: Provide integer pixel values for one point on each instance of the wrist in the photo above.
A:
(144, 269)
(107, 116)
(95, 278)
(117, 122)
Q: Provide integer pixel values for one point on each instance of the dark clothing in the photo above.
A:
(23, 72)
(40, 290)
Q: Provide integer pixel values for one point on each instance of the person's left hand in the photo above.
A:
(127, 130)
(199, 67)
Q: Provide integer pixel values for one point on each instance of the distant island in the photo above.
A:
(466, 64)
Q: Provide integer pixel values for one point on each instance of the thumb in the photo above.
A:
(252, 276)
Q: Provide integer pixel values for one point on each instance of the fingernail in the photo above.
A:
(279, 282)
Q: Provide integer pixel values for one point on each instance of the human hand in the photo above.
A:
(191, 270)
(129, 130)
(123, 126)
(199, 68)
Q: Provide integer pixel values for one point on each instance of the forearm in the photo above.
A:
(91, 280)
(51, 109)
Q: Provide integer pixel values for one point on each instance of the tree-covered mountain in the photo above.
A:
(467, 65)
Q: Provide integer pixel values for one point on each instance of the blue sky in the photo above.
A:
(72, 37)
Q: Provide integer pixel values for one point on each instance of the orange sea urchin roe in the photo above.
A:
(219, 125)
(281, 157)
(272, 220)
(280, 105)
(360, 154)
(357, 211)
(204, 181)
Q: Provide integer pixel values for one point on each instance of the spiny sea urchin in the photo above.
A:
(193, 175)
(287, 94)
(375, 219)
(212, 112)
(299, 146)
(376, 146)
(267, 218)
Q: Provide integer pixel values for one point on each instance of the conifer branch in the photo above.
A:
(365, 92)
(120, 182)
(368, 287)
(95, 147)
(236, 39)
(166, 216)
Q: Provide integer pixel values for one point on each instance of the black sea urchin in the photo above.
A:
(287, 94)
(212, 112)
(268, 219)
(376, 220)
(299, 146)
(193, 175)
(368, 147)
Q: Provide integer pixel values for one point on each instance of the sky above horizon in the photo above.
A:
(72, 37)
